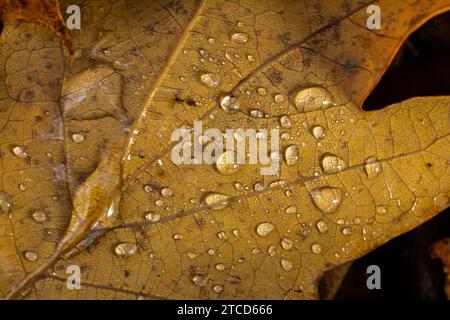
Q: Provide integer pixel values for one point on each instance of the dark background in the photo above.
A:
(421, 68)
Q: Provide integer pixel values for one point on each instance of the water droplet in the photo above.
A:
(225, 163)
(279, 98)
(22, 187)
(39, 216)
(286, 265)
(159, 203)
(250, 58)
(372, 167)
(264, 229)
(318, 132)
(31, 256)
(291, 155)
(236, 232)
(322, 226)
(381, 210)
(5, 202)
(210, 80)
(278, 183)
(287, 244)
(220, 267)
(262, 91)
(217, 288)
(347, 231)
(258, 186)
(211, 252)
(152, 217)
(239, 38)
(255, 251)
(217, 201)
(191, 255)
(271, 251)
(255, 113)
(316, 248)
(19, 152)
(199, 280)
(125, 250)
(148, 188)
(327, 199)
(291, 210)
(177, 236)
(285, 122)
(222, 235)
(229, 103)
(313, 98)
(333, 164)
(166, 192)
(78, 138)
(238, 186)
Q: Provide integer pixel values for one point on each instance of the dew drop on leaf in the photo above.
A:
(372, 167)
(287, 244)
(31, 256)
(209, 80)
(217, 288)
(125, 250)
(286, 265)
(5, 202)
(225, 163)
(318, 132)
(19, 152)
(239, 38)
(152, 217)
(78, 138)
(291, 155)
(217, 201)
(264, 229)
(327, 199)
(316, 248)
(322, 226)
(285, 122)
(333, 164)
(313, 98)
(199, 280)
(229, 103)
(39, 216)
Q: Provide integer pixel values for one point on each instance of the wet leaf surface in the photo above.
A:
(86, 149)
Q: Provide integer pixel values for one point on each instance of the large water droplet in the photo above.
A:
(229, 103)
(125, 250)
(372, 167)
(327, 199)
(291, 155)
(239, 38)
(333, 164)
(5, 202)
(78, 138)
(225, 163)
(39, 216)
(210, 80)
(216, 201)
(313, 98)
(264, 229)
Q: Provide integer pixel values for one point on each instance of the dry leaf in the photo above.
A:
(349, 180)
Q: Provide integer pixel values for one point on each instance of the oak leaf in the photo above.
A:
(87, 176)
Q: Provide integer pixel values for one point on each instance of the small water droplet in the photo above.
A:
(262, 91)
(327, 199)
(381, 210)
(250, 58)
(322, 226)
(210, 80)
(372, 167)
(220, 267)
(217, 201)
(22, 187)
(258, 186)
(222, 235)
(31, 256)
(255, 113)
(39, 216)
(125, 250)
(291, 210)
(225, 163)
(236, 232)
(287, 244)
(313, 98)
(238, 186)
(333, 164)
(291, 155)
(217, 288)
(347, 231)
(211, 252)
(239, 38)
(77, 137)
(318, 132)
(286, 265)
(177, 236)
(279, 98)
(256, 251)
(199, 280)
(166, 192)
(316, 248)
(271, 250)
(264, 229)
(152, 217)
(285, 122)
(148, 188)
(19, 152)
(229, 103)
